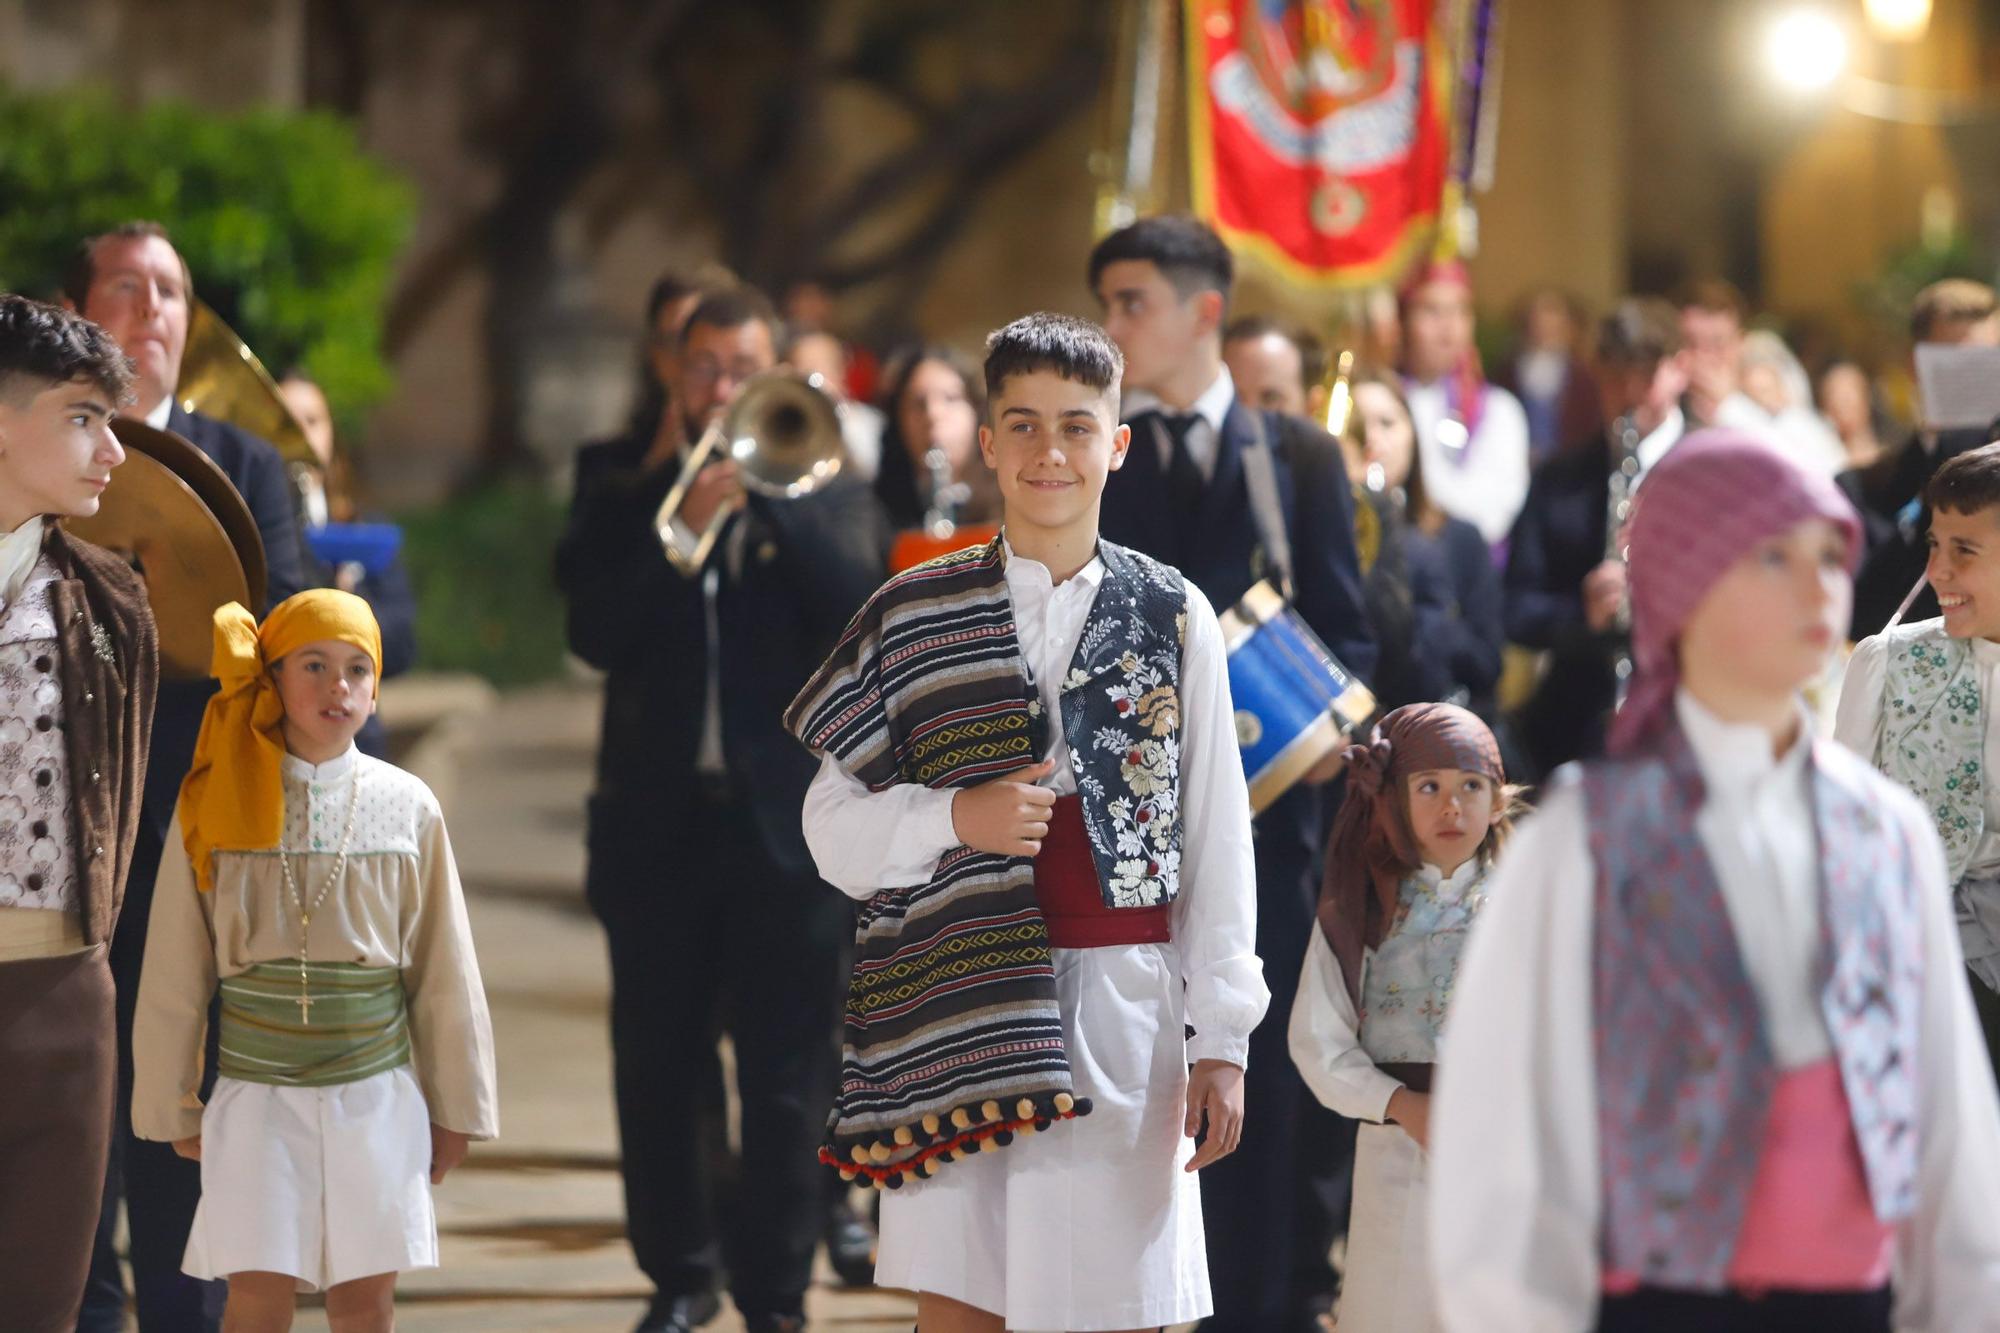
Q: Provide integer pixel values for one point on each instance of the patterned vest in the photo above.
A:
(1932, 738)
(1684, 1074)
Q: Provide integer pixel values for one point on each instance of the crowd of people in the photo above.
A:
(1593, 985)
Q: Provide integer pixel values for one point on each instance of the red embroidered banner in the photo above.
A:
(1321, 132)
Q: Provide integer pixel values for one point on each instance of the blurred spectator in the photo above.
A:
(1779, 402)
(1548, 374)
(936, 399)
(1471, 435)
(861, 424)
(1713, 314)
(328, 498)
(808, 308)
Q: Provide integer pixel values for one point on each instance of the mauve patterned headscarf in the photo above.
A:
(1371, 848)
(1702, 508)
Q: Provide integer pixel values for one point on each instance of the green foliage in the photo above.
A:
(486, 601)
(292, 231)
(1886, 297)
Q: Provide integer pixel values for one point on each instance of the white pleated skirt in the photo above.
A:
(1093, 1224)
(324, 1184)
(1386, 1287)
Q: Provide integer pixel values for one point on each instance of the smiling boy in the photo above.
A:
(1917, 702)
(1029, 780)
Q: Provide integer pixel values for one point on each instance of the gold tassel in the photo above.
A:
(881, 1153)
(860, 1154)
(1065, 1103)
(1024, 1109)
(932, 1124)
(988, 1145)
(990, 1112)
(961, 1118)
(903, 1136)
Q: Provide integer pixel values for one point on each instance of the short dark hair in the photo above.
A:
(1073, 348)
(46, 345)
(1966, 483)
(82, 269)
(733, 307)
(1717, 296)
(677, 284)
(1950, 301)
(1638, 331)
(1186, 250)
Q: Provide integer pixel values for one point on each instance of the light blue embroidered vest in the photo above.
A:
(1932, 737)
(1407, 979)
(1684, 1072)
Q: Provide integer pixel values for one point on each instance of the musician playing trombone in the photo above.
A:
(695, 847)
(135, 284)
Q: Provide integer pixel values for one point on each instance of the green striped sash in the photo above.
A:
(356, 1025)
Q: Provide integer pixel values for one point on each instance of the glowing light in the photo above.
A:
(1898, 20)
(1807, 49)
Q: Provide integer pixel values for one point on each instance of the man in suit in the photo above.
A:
(1563, 592)
(695, 839)
(1190, 494)
(133, 283)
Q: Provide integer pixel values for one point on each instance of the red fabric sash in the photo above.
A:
(1071, 900)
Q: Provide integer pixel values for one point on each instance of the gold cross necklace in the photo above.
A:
(306, 1000)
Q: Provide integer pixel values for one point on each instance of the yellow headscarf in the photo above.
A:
(233, 797)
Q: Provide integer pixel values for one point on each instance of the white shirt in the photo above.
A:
(19, 550)
(1517, 1186)
(866, 841)
(1858, 720)
(157, 418)
(1325, 1035)
(1204, 437)
(1660, 439)
(1797, 431)
(1486, 482)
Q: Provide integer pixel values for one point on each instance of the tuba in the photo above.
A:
(1367, 522)
(783, 434)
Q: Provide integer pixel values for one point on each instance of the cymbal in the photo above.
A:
(153, 518)
(215, 490)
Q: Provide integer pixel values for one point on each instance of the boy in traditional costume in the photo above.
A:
(1917, 703)
(1427, 810)
(1030, 779)
(78, 664)
(1711, 1063)
(315, 887)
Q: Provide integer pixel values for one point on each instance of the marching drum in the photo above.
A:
(1295, 702)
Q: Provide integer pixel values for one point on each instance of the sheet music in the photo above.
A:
(1958, 386)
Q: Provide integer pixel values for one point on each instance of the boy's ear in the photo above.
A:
(986, 446)
(1121, 444)
(1208, 307)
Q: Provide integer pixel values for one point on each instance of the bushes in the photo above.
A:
(291, 229)
(486, 601)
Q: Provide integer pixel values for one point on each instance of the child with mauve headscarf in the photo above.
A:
(1427, 809)
(1712, 1063)
(315, 889)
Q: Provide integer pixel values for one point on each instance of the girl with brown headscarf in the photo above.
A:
(1427, 808)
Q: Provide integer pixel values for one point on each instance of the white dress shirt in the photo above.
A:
(1204, 437)
(1486, 482)
(1517, 1184)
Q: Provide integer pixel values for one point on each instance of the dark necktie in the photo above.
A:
(1184, 479)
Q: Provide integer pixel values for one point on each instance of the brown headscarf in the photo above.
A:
(1372, 847)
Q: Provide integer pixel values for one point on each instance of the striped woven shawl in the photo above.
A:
(953, 1035)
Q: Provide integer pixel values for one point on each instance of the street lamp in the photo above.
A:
(1807, 49)
(1898, 20)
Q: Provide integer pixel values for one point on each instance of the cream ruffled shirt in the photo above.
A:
(398, 904)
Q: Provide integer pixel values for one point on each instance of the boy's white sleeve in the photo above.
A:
(176, 982)
(866, 841)
(451, 1027)
(1215, 915)
(1516, 1188)
(1325, 1042)
(1859, 712)
(1948, 1255)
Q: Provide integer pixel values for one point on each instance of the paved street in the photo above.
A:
(532, 1225)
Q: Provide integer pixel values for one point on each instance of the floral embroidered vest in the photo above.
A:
(1684, 1073)
(1121, 716)
(1406, 980)
(1932, 737)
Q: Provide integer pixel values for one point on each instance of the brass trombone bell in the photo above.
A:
(783, 434)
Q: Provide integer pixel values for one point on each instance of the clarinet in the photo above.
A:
(1618, 509)
(948, 496)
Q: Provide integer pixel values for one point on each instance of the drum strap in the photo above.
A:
(1260, 475)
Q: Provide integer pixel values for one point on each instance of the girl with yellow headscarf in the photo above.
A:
(318, 894)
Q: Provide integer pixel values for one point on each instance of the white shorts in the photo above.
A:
(326, 1184)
